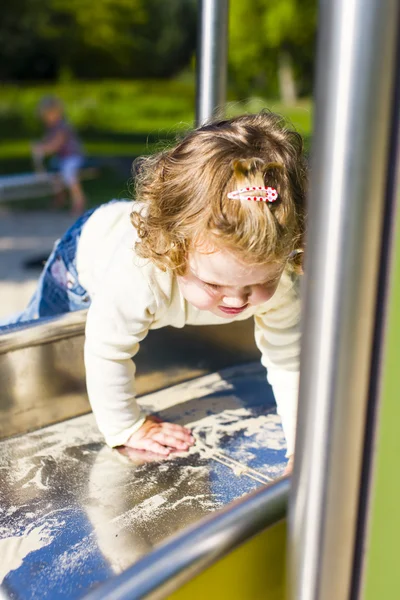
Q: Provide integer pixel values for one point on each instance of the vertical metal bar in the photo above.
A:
(355, 77)
(211, 58)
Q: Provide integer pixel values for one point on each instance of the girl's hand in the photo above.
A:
(37, 149)
(289, 467)
(160, 437)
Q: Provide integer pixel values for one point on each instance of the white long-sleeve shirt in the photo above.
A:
(130, 295)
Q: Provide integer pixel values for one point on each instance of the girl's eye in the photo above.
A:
(270, 283)
(212, 286)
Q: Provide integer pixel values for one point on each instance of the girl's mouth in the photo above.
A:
(232, 311)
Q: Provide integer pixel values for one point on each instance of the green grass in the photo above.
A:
(115, 119)
(382, 575)
(108, 106)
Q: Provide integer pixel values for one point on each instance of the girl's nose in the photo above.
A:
(236, 301)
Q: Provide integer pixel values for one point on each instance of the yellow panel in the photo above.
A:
(254, 571)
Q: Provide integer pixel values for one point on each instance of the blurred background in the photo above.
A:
(125, 71)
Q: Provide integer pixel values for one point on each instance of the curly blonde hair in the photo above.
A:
(184, 190)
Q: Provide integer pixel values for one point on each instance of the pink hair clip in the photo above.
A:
(270, 195)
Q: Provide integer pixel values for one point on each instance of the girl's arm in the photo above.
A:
(50, 146)
(277, 334)
(118, 320)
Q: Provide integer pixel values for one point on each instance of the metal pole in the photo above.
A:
(355, 77)
(211, 58)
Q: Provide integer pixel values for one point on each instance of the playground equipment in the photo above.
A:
(343, 519)
(40, 183)
(78, 499)
(26, 186)
(212, 54)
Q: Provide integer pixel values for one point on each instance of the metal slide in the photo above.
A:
(75, 514)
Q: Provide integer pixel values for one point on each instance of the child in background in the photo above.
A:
(215, 236)
(61, 140)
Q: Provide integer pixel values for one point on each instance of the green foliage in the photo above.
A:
(259, 30)
(289, 22)
(67, 39)
(119, 117)
(134, 38)
(106, 106)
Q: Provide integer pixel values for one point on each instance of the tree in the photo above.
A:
(23, 47)
(272, 45)
(108, 38)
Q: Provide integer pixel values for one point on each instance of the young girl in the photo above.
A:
(61, 141)
(214, 236)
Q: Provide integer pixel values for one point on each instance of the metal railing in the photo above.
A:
(177, 561)
(42, 331)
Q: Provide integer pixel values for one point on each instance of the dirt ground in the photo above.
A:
(25, 236)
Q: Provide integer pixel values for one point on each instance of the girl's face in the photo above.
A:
(51, 116)
(219, 283)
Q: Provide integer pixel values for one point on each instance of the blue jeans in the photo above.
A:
(58, 290)
(69, 169)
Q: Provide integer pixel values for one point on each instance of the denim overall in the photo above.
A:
(58, 289)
